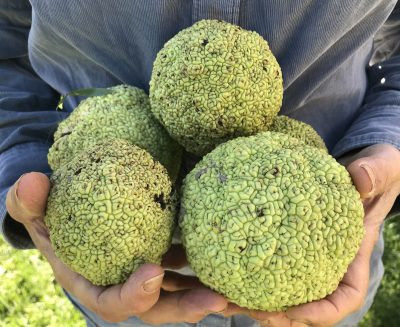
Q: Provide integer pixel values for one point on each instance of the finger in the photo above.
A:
(347, 298)
(234, 309)
(282, 321)
(188, 306)
(299, 324)
(378, 170)
(137, 295)
(115, 303)
(26, 199)
(174, 281)
(175, 258)
(275, 319)
(269, 318)
(364, 177)
(377, 183)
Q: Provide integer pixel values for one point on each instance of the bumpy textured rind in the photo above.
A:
(298, 129)
(270, 222)
(125, 114)
(109, 210)
(215, 81)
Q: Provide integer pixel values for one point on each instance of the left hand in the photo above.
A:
(375, 171)
(140, 295)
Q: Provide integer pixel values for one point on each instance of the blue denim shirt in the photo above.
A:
(50, 47)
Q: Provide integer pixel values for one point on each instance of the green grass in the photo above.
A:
(385, 309)
(29, 295)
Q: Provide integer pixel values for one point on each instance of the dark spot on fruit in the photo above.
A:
(222, 178)
(200, 173)
(159, 198)
(65, 134)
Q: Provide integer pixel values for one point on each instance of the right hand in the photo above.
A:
(185, 299)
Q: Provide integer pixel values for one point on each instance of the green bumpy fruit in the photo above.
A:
(124, 113)
(215, 81)
(110, 209)
(298, 129)
(270, 222)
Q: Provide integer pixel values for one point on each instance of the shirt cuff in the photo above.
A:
(382, 126)
(14, 162)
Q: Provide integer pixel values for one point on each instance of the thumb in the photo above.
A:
(26, 199)
(375, 170)
(364, 174)
(118, 302)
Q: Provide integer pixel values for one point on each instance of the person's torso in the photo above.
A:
(323, 47)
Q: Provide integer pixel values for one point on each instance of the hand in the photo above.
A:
(141, 295)
(375, 172)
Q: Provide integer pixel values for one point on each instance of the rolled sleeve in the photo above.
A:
(378, 120)
(377, 127)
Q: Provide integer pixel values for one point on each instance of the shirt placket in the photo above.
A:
(227, 10)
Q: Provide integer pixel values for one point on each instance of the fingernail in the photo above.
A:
(371, 177)
(12, 194)
(153, 284)
(17, 186)
(209, 310)
(221, 312)
(305, 322)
